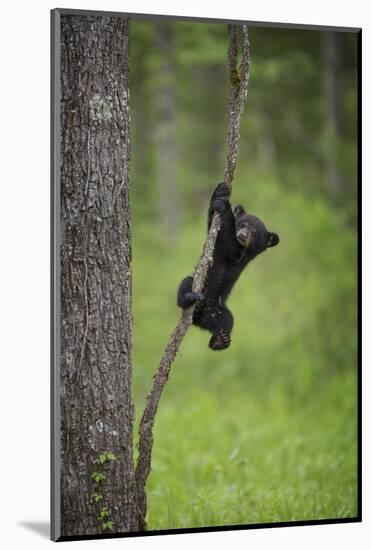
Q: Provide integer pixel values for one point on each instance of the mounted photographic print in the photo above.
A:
(205, 185)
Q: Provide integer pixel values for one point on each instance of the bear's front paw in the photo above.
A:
(220, 204)
(193, 298)
(222, 190)
(220, 341)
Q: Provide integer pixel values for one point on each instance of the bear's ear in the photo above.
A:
(239, 210)
(273, 239)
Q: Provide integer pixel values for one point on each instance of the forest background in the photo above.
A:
(266, 431)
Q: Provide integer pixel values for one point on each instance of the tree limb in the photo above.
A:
(238, 90)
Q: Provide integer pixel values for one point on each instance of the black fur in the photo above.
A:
(241, 238)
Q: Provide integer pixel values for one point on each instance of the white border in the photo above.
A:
(25, 264)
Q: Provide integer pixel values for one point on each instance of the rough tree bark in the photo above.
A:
(96, 323)
(237, 98)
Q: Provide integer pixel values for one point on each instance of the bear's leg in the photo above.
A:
(221, 338)
(219, 321)
(186, 297)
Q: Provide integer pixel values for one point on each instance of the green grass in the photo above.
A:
(267, 430)
(239, 459)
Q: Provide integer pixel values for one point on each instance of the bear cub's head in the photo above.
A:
(251, 232)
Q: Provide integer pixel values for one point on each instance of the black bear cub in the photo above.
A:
(241, 238)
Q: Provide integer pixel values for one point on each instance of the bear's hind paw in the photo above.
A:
(220, 341)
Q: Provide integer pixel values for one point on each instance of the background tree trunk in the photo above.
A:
(166, 134)
(96, 323)
(333, 110)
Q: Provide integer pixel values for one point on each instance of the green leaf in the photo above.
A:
(104, 513)
(107, 525)
(111, 456)
(102, 458)
(98, 476)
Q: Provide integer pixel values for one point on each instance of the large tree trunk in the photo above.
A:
(96, 323)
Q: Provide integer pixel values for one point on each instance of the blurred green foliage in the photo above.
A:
(267, 430)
